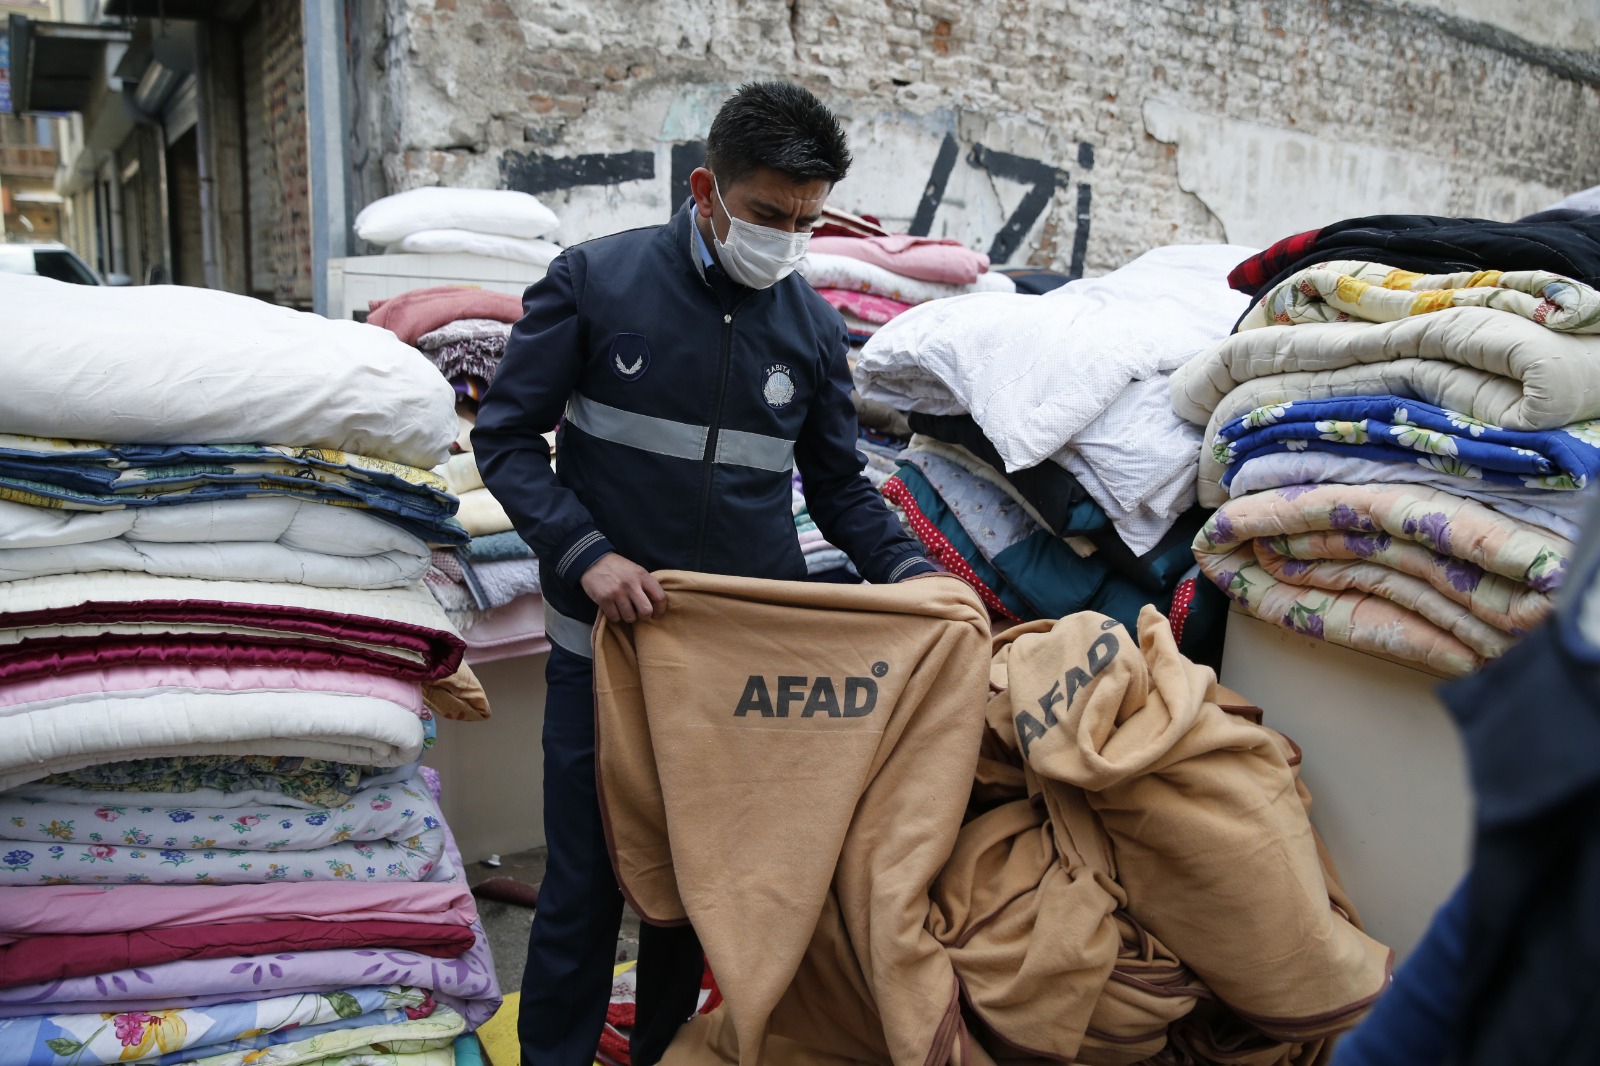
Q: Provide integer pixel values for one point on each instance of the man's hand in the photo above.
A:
(623, 590)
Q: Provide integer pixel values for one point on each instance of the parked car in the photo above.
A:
(53, 261)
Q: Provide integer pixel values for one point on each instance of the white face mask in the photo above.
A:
(757, 256)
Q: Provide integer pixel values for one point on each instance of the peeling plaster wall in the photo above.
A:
(1562, 24)
(1263, 183)
(1071, 133)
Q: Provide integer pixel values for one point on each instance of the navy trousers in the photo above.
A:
(573, 944)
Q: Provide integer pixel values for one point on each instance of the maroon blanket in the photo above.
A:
(411, 314)
(50, 958)
(440, 650)
(53, 657)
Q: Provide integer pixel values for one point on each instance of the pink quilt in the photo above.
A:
(1400, 570)
(924, 258)
(411, 314)
(92, 909)
(864, 305)
(129, 680)
(276, 956)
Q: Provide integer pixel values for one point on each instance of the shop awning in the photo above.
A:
(55, 66)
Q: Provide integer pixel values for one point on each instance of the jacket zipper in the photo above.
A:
(723, 359)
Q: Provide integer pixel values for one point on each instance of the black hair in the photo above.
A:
(780, 125)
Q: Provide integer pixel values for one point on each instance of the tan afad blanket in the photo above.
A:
(786, 765)
(459, 696)
(1180, 832)
(1099, 857)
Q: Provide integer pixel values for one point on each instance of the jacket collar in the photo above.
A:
(681, 230)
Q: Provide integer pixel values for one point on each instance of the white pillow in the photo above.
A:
(825, 271)
(520, 249)
(152, 364)
(500, 211)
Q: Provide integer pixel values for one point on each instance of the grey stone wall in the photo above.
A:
(1072, 133)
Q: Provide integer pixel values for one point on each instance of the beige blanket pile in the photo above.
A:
(1092, 861)
(793, 789)
(1171, 829)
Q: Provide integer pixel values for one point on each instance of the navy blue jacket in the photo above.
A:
(685, 402)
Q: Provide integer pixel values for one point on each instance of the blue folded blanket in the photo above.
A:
(102, 477)
(498, 547)
(1394, 429)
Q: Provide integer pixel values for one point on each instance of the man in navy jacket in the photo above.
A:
(691, 372)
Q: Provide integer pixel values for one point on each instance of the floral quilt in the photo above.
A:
(211, 779)
(86, 475)
(1345, 290)
(465, 982)
(227, 1032)
(405, 1042)
(1563, 513)
(1396, 429)
(1400, 570)
(382, 833)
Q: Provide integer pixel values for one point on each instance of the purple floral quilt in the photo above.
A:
(1400, 570)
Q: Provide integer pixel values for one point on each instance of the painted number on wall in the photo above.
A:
(538, 172)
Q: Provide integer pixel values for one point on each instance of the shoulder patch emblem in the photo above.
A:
(778, 390)
(630, 356)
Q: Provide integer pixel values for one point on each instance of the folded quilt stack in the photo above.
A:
(1401, 446)
(219, 672)
(871, 276)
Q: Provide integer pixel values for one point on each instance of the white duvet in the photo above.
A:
(363, 730)
(1076, 375)
(825, 271)
(533, 252)
(175, 364)
(272, 539)
(411, 604)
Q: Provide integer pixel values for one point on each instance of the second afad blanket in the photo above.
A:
(1399, 570)
(776, 764)
(1138, 876)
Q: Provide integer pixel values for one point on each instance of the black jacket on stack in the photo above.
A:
(1429, 244)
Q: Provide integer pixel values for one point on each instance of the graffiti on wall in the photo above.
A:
(960, 197)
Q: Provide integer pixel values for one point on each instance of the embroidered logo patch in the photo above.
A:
(630, 356)
(779, 388)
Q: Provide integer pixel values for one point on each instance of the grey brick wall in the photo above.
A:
(1137, 125)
